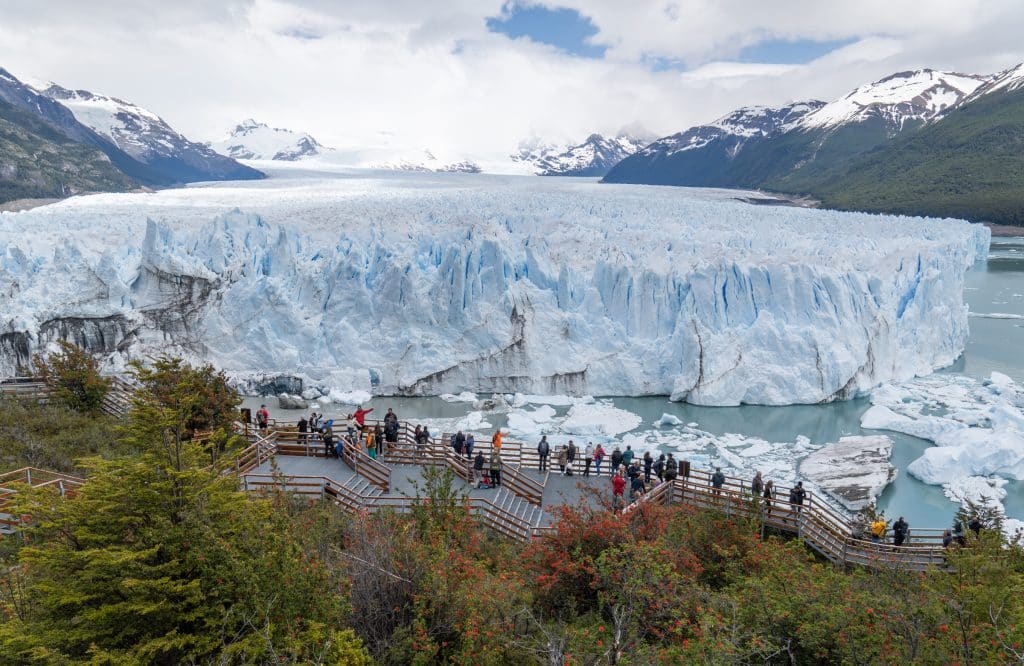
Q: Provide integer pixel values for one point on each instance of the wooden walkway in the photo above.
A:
(816, 522)
(116, 402)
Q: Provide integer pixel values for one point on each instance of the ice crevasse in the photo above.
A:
(536, 289)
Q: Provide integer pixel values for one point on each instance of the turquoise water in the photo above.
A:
(992, 286)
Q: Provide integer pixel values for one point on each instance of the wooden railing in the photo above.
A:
(291, 442)
(116, 402)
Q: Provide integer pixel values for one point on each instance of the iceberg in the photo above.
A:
(423, 284)
(855, 470)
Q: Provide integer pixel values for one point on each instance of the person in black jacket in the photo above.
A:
(659, 467)
(648, 464)
(616, 460)
(543, 451)
(899, 531)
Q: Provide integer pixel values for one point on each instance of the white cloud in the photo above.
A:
(405, 74)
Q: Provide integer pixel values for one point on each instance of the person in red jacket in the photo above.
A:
(360, 416)
(618, 488)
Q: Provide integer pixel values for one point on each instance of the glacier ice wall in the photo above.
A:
(420, 285)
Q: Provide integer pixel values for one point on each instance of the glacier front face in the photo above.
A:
(427, 284)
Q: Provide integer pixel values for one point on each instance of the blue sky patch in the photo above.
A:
(790, 52)
(564, 29)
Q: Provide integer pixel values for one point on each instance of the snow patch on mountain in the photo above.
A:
(920, 95)
(426, 162)
(252, 140)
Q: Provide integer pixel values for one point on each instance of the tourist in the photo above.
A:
(359, 416)
(659, 468)
(671, 468)
(570, 456)
(958, 534)
(262, 417)
(469, 445)
(947, 539)
(543, 451)
(314, 422)
(616, 460)
(588, 457)
(371, 443)
(598, 459)
(648, 464)
(496, 439)
(478, 466)
(417, 434)
(796, 497)
(327, 435)
(975, 525)
(496, 466)
(459, 443)
(423, 440)
(757, 485)
(627, 456)
(618, 488)
(717, 481)
(378, 439)
(878, 527)
(636, 484)
(563, 457)
(767, 495)
(899, 531)
(303, 427)
(391, 427)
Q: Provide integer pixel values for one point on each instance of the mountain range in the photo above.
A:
(594, 157)
(920, 142)
(251, 140)
(56, 142)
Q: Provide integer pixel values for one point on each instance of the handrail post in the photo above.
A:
(28, 475)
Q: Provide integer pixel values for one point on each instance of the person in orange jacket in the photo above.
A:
(496, 439)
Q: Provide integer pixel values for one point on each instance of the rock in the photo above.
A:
(854, 470)
(288, 401)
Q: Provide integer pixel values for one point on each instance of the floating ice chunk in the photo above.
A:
(973, 452)
(692, 424)
(521, 399)
(667, 421)
(465, 396)
(855, 470)
(286, 401)
(356, 397)
(311, 394)
(473, 421)
(599, 419)
(925, 427)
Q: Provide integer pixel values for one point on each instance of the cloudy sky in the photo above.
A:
(473, 78)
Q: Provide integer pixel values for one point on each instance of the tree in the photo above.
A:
(73, 376)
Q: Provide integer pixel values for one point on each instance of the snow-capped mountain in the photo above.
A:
(735, 128)
(1009, 80)
(252, 140)
(427, 162)
(904, 98)
(147, 138)
(594, 157)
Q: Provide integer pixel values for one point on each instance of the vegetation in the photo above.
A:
(74, 378)
(161, 560)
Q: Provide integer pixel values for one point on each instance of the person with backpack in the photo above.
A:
(570, 458)
(378, 441)
(767, 496)
(900, 529)
(588, 457)
(327, 435)
(303, 427)
(469, 445)
(543, 451)
(671, 468)
(563, 457)
(496, 466)
(391, 426)
(648, 464)
(627, 456)
(478, 466)
(459, 443)
(757, 485)
(262, 417)
(636, 483)
(616, 460)
(659, 468)
(717, 481)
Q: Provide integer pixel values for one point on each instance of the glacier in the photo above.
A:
(425, 284)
